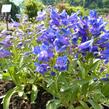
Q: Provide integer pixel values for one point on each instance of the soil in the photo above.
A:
(21, 103)
(42, 98)
(5, 86)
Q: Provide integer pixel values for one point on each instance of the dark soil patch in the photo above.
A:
(5, 86)
(19, 103)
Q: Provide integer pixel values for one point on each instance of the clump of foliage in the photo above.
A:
(48, 2)
(102, 11)
(32, 7)
(106, 3)
(71, 9)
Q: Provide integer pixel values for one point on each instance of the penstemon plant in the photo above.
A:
(64, 54)
(71, 58)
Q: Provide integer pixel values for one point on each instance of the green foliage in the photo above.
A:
(32, 7)
(48, 2)
(92, 5)
(34, 93)
(106, 3)
(102, 11)
(70, 89)
(71, 9)
(76, 2)
(53, 104)
(87, 3)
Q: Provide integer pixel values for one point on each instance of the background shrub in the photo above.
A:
(106, 3)
(70, 9)
(103, 11)
(32, 7)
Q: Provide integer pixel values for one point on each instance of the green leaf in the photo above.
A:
(21, 61)
(98, 96)
(94, 66)
(71, 107)
(84, 105)
(84, 86)
(6, 76)
(65, 88)
(94, 104)
(79, 107)
(53, 104)
(82, 69)
(34, 93)
(69, 92)
(105, 89)
(14, 76)
(7, 97)
(50, 82)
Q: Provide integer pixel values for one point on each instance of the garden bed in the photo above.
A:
(57, 62)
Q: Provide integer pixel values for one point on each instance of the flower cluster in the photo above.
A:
(70, 35)
(4, 53)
